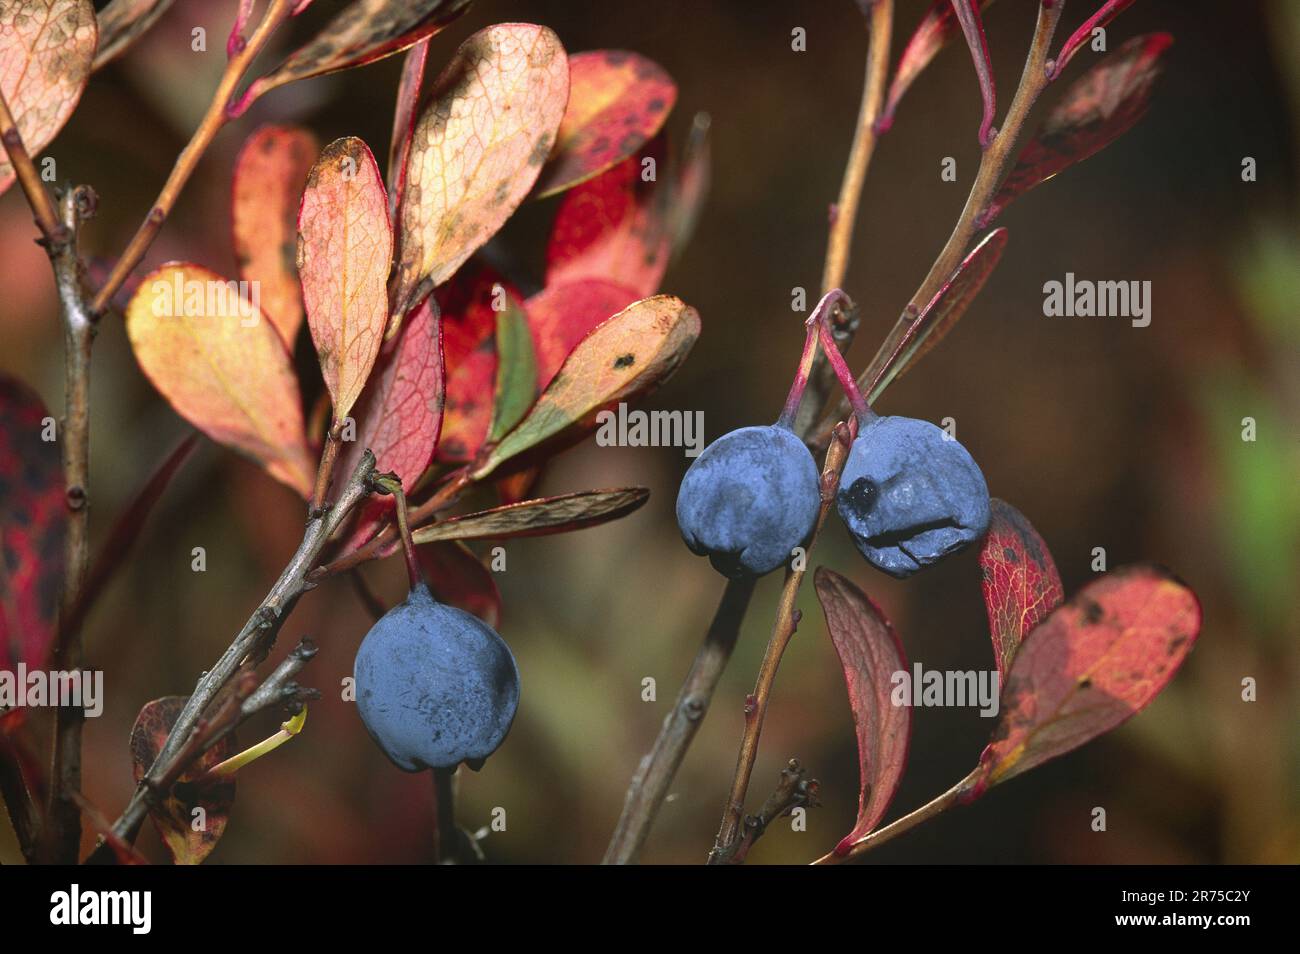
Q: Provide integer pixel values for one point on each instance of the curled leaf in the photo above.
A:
(1020, 582)
(871, 654)
(477, 150)
(362, 32)
(562, 315)
(629, 354)
(1092, 663)
(1108, 11)
(33, 524)
(123, 22)
(221, 366)
(46, 48)
(936, 28)
(270, 174)
(188, 800)
(533, 518)
(345, 247)
(972, 27)
(458, 577)
(617, 101)
(909, 341)
(1101, 106)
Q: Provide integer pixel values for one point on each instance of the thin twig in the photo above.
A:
(38, 197)
(794, 790)
(213, 120)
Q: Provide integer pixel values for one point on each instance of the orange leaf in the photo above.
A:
(629, 354)
(477, 150)
(617, 101)
(560, 316)
(270, 174)
(222, 366)
(345, 248)
(46, 48)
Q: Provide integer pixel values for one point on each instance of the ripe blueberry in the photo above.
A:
(435, 685)
(910, 496)
(749, 500)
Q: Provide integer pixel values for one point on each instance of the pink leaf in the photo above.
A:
(560, 316)
(934, 31)
(1109, 10)
(871, 654)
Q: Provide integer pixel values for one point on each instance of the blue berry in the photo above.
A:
(910, 496)
(435, 685)
(749, 500)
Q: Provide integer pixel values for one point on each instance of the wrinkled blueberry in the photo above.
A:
(749, 500)
(435, 685)
(909, 496)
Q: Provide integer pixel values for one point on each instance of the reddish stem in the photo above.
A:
(968, 15)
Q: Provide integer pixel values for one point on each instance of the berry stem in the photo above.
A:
(390, 483)
(801, 376)
(821, 321)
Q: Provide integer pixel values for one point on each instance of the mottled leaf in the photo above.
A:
(1021, 585)
(399, 416)
(535, 518)
(617, 101)
(270, 174)
(629, 354)
(477, 150)
(562, 315)
(469, 319)
(122, 22)
(458, 577)
(408, 98)
(175, 815)
(33, 524)
(223, 367)
(615, 227)
(362, 32)
(1101, 106)
(46, 47)
(1095, 661)
(936, 28)
(345, 249)
(909, 341)
(870, 654)
(516, 386)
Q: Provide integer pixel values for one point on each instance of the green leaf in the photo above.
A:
(516, 371)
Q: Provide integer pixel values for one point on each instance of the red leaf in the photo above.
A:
(33, 523)
(1109, 10)
(408, 98)
(617, 101)
(614, 227)
(871, 654)
(562, 315)
(458, 577)
(1103, 105)
(1021, 585)
(934, 31)
(269, 178)
(1094, 662)
(469, 350)
(399, 416)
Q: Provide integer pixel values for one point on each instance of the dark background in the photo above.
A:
(1103, 434)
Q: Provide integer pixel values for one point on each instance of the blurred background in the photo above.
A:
(1104, 435)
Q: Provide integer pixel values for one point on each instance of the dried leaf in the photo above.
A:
(33, 524)
(408, 98)
(908, 342)
(123, 22)
(399, 416)
(614, 227)
(222, 366)
(870, 653)
(936, 28)
(345, 249)
(1099, 108)
(458, 577)
(270, 174)
(186, 804)
(617, 101)
(477, 150)
(1021, 585)
(46, 47)
(535, 518)
(562, 315)
(1094, 662)
(629, 354)
(516, 386)
(362, 32)
(469, 320)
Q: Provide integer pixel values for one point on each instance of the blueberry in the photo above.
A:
(910, 496)
(749, 500)
(435, 685)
